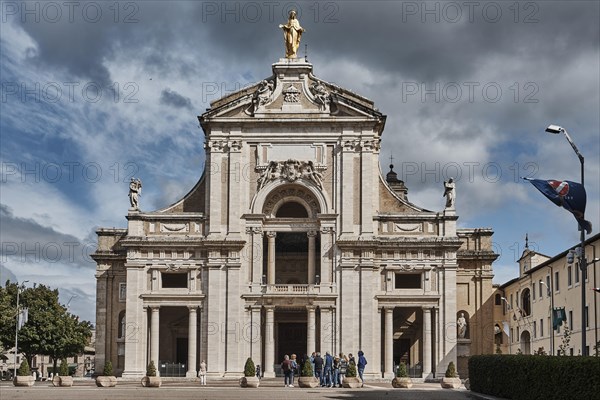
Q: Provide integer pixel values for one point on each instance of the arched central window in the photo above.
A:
(292, 209)
(526, 302)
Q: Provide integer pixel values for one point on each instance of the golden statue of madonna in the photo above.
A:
(292, 32)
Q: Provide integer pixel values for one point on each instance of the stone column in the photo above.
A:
(192, 331)
(256, 350)
(311, 257)
(271, 260)
(389, 343)
(426, 343)
(311, 329)
(326, 330)
(269, 342)
(154, 329)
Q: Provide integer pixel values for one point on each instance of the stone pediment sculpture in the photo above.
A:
(450, 193)
(291, 170)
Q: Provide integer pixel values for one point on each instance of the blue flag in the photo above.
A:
(569, 195)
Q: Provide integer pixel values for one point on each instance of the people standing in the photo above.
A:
(343, 367)
(362, 363)
(327, 370)
(286, 367)
(319, 368)
(294, 367)
(312, 362)
(336, 371)
(202, 373)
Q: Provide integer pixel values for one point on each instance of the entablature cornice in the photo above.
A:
(395, 300)
(102, 256)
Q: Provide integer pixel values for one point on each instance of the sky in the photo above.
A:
(94, 93)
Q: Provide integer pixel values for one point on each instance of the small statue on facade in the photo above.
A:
(321, 94)
(461, 325)
(450, 192)
(314, 175)
(292, 33)
(135, 192)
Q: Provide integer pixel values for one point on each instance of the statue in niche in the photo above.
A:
(461, 326)
(450, 192)
(135, 192)
(292, 33)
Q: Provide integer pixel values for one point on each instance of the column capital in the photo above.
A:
(154, 308)
(427, 309)
(389, 310)
(311, 234)
(271, 234)
(311, 308)
(192, 308)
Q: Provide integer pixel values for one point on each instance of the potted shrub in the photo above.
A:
(451, 380)
(402, 380)
(249, 379)
(107, 379)
(24, 377)
(351, 380)
(151, 380)
(307, 378)
(63, 378)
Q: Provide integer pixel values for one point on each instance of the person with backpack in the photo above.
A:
(362, 363)
(319, 368)
(286, 367)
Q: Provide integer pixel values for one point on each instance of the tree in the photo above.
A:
(50, 330)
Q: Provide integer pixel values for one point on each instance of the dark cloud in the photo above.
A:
(25, 241)
(172, 98)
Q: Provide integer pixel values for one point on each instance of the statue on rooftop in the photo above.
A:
(292, 32)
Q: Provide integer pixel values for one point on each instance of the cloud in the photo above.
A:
(171, 97)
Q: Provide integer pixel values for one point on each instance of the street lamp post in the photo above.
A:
(555, 129)
(17, 329)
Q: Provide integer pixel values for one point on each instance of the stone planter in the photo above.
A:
(402, 382)
(23, 381)
(64, 381)
(249, 382)
(106, 381)
(451, 383)
(351, 382)
(151, 381)
(56, 381)
(308, 382)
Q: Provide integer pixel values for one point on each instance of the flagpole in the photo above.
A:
(582, 262)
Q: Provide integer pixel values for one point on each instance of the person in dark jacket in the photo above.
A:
(327, 371)
(362, 363)
(319, 367)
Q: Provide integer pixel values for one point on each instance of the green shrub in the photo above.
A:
(401, 372)
(249, 368)
(151, 369)
(533, 377)
(451, 370)
(307, 369)
(108, 371)
(63, 370)
(24, 369)
(351, 371)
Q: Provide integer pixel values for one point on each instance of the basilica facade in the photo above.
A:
(293, 241)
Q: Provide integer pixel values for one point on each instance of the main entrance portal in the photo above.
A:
(290, 334)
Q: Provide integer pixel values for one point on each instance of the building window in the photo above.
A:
(512, 338)
(517, 332)
(571, 320)
(511, 301)
(569, 278)
(174, 280)
(576, 275)
(556, 282)
(498, 299)
(542, 327)
(122, 291)
(533, 291)
(571, 351)
(548, 285)
(408, 281)
(534, 330)
(526, 303)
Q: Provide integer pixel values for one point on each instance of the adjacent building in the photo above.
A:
(523, 306)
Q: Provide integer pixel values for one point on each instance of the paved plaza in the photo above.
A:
(188, 390)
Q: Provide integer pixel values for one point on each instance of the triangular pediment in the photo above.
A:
(292, 92)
